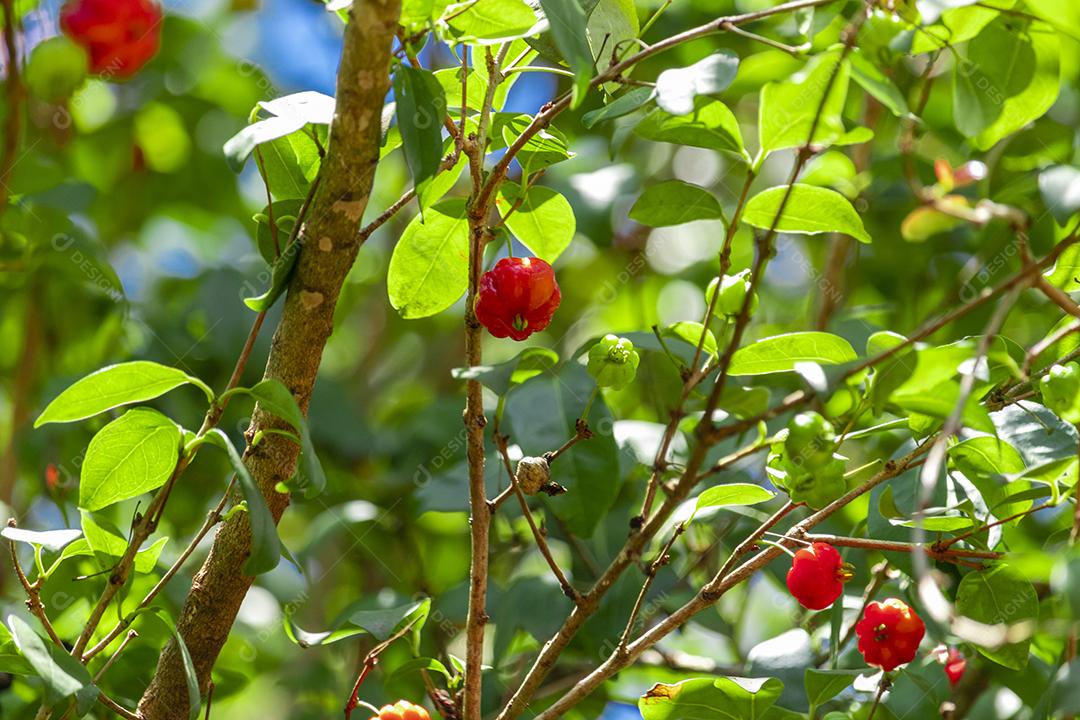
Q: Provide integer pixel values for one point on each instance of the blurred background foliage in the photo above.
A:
(132, 238)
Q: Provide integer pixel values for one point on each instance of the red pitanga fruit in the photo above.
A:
(402, 710)
(120, 36)
(889, 634)
(817, 576)
(517, 297)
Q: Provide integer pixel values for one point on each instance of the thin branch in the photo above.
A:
(662, 559)
(538, 536)
(212, 519)
(936, 551)
(794, 50)
(33, 593)
(1045, 344)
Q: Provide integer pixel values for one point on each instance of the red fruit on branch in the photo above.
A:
(955, 665)
(119, 35)
(889, 634)
(402, 710)
(517, 297)
(817, 576)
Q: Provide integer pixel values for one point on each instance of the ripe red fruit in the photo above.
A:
(889, 634)
(955, 665)
(817, 576)
(402, 710)
(119, 35)
(517, 297)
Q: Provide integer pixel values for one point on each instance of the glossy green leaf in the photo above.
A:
(429, 268)
(1060, 188)
(134, 454)
(543, 220)
(113, 387)
(529, 363)
(675, 202)
(361, 619)
(62, 675)
(1014, 68)
(999, 596)
(733, 494)
(265, 545)
(421, 107)
(280, 273)
(289, 114)
(807, 210)
(54, 540)
(624, 104)
(721, 698)
(678, 88)
(690, 332)
(780, 353)
(486, 22)
(824, 685)
(276, 399)
(874, 81)
(568, 27)
(788, 109)
(711, 125)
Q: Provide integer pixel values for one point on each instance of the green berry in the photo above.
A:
(56, 69)
(1061, 389)
(733, 289)
(613, 362)
(810, 441)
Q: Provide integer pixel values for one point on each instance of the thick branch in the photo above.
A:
(328, 245)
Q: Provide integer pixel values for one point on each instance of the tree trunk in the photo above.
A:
(328, 247)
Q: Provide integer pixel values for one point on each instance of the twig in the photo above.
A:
(33, 593)
(212, 519)
(1045, 344)
(370, 661)
(935, 551)
(662, 559)
(794, 50)
(882, 686)
(538, 536)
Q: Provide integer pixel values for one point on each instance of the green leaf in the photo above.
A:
(276, 399)
(429, 268)
(265, 545)
(191, 679)
(711, 125)
(291, 164)
(675, 202)
(677, 88)
(690, 332)
(545, 148)
(134, 454)
(527, 364)
(955, 26)
(613, 23)
(733, 494)
(357, 619)
(1060, 189)
(780, 353)
(487, 22)
(114, 386)
(107, 545)
(421, 106)
(11, 660)
(985, 460)
(416, 665)
(54, 540)
(544, 220)
(290, 113)
(999, 596)
(808, 210)
(62, 675)
(824, 685)
(625, 104)
(280, 272)
(568, 26)
(871, 78)
(721, 698)
(788, 109)
(1016, 68)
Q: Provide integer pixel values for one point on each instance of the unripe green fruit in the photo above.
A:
(733, 289)
(810, 441)
(1060, 390)
(56, 69)
(613, 362)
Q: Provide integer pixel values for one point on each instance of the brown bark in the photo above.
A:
(328, 247)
